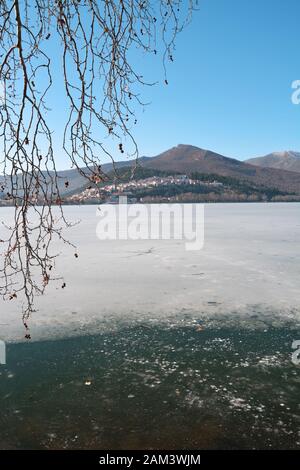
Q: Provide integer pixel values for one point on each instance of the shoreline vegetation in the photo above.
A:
(178, 200)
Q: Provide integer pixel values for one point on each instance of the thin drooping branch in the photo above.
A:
(96, 40)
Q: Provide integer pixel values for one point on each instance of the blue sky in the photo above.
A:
(230, 85)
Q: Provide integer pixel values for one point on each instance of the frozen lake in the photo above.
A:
(159, 347)
(249, 268)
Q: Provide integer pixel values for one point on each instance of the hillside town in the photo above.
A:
(109, 193)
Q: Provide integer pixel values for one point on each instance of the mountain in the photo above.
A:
(289, 161)
(187, 159)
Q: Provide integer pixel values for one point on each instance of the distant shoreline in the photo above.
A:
(97, 203)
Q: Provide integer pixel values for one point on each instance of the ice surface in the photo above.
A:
(249, 267)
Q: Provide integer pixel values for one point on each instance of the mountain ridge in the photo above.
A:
(288, 160)
(187, 159)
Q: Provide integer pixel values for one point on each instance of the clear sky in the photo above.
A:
(230, 85)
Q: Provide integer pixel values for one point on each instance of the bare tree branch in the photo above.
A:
(95, 39)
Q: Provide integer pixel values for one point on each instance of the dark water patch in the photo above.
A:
(153, 387)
